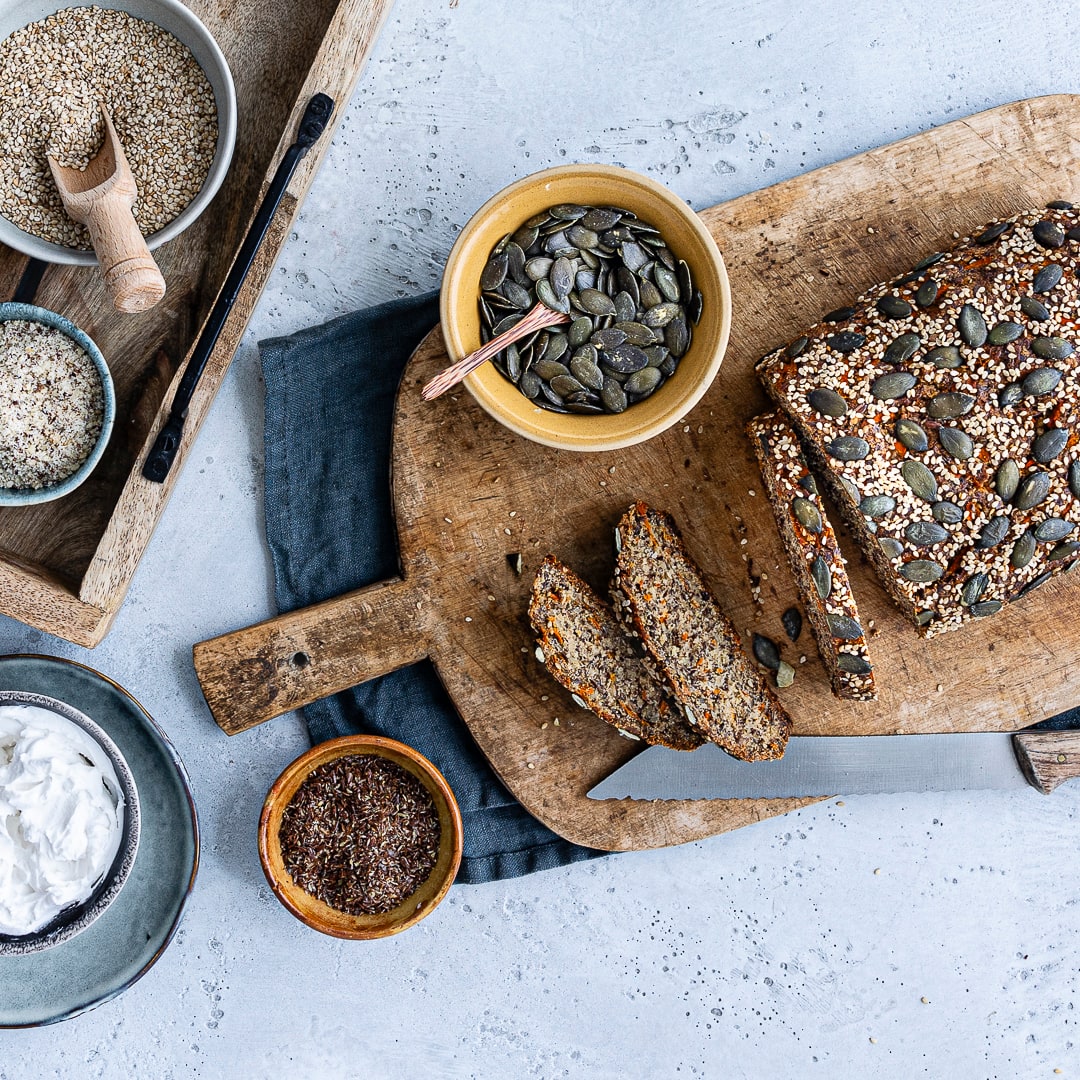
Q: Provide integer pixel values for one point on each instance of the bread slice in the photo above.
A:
(583, 646)
(816, 562)
(662, 598)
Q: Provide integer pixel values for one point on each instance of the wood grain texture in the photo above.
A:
(66, 566)
(468, 492)
(1048, 758)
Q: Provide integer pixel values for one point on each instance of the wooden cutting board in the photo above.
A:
(468, 493)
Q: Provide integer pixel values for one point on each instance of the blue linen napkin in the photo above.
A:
(329, 522)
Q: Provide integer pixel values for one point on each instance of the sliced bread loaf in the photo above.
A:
(815, 558)
(583, 646)
(662, 598)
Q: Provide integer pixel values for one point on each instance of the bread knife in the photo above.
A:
(853, 765)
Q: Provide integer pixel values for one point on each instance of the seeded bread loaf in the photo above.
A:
(943, 410)
(819, 567)
(662, 598)
(583, 646)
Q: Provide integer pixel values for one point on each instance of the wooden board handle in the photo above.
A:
(131, 275)
(1048, 758)
(265, 670)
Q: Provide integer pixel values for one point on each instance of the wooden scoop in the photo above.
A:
(101, 198)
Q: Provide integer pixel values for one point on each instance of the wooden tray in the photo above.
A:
(468, 492)
(65, 566)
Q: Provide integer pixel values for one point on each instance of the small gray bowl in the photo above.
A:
(183, 24)
(28, 496)
(76, 918)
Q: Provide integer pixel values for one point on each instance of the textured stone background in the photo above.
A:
(778, 951)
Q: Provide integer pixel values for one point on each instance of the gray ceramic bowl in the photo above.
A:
(75, 919)
(170, 15)
(28, 496)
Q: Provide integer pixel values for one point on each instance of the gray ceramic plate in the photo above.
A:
(104, 960)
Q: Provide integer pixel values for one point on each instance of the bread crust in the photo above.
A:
(662, 598)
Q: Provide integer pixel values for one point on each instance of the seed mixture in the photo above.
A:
(51, 405)
(943, 409)
(632, 306)
(54, 72)
(361, 834)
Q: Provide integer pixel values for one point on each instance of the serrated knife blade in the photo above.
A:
(845, 765)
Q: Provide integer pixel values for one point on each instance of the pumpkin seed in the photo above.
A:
(844, 627)
(892, 385)
(992, 232)
(792, 620)
(920, 479)
(848, 448)
(766, 652)
(613, 397)
(852, 664)
(660, 315)
(986, 607)
(1004, 332)
(1049, 234)
(930, 260)
(839, 315)
(785, 675)
(677, 337)
(902, 349)
(892, 548)
(827, 402)
(948, 513)
(877, 506)
(797, 348)
(1049, 445)
(846, 341)
(601, 218)
(807, 514)
(808, 483)
(925, 533)
(1047, 278)
(494, 272)
(625, 359)
(927, 293)
(550, 369)
(636, 333)
(1033, 309)
(972, 326)
(581, 237)
(949, 405)
(1023, 551)
(973, 588)
(587, 373)
(922, 571)
(580, 331)
(565, 385)
(546, 295)
(945, 356)
(666, 282)
(650, 294)
(847, 484)
(924, 618)
(608, 338)
(956, 443)
(529, 384)
(1041, 381)
(1065, 550)
(1006, 479)
(893, 307)
(517, 295)
(1035, 582)
(993, 532)
(1074, 478)
(595, 302)
(539, 267)
(1011, 394)
(1059, 204)
(643, 382)
(1051, 348)
(625, 308)
(821, 575)
(1031, 490)
(1052, 529)
(911, 435)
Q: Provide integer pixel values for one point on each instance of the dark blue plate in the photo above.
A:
(118, 949)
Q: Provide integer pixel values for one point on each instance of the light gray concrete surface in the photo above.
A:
(895, 936)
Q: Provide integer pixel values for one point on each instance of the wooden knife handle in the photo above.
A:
(1048, 758)
(265, 670)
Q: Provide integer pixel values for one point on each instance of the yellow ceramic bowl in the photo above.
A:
(600, 185)
(322, 917)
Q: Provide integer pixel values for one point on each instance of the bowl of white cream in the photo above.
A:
(69, 822)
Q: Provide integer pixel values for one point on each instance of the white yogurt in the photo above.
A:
(61, 816)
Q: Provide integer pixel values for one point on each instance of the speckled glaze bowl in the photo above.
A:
(183, 24)
(29, 496)
(603, 185)
(321, 916)
(75, 919)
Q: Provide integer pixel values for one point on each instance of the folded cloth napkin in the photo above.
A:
(329, 521)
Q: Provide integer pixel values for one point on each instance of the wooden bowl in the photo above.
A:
(321, 916)
(603, 185)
